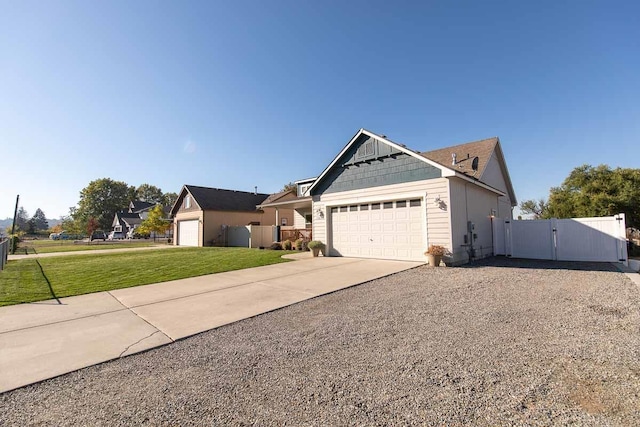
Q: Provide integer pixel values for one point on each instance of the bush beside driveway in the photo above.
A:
(502, 342)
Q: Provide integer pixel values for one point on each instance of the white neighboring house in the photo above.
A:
(380, 199)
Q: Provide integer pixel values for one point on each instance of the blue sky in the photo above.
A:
(237, 94)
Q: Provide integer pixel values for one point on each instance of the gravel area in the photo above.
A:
(499, 342)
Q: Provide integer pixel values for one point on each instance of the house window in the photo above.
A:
(308, 220)
(284, 221)
(364, 207)
(414, 203)
(353, 208)
(401, 204)
(343, 208)
(303, 189)
(117, 228)
(187, 202)
(388, 205)
(375, 206)
(334, 210)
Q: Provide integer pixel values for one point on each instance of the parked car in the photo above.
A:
(116, 235)
(98, 235)
(63, 235)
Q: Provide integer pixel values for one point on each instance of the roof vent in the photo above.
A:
(384, 136)
(453, 159)
(255, 190)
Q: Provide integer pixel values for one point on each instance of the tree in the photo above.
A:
(101, 199)
(155, 222)
(536, 208)
(288, 187)
(169, 199)
(40, 220)
(92, 225)
(149, 193)
(22, 220)
(597, 191)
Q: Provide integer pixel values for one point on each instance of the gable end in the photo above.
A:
(371, 162)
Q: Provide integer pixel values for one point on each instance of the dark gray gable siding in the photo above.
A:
(371, 162)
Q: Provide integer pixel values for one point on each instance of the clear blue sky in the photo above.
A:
(234, 94)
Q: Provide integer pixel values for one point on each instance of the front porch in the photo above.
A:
(302, 219)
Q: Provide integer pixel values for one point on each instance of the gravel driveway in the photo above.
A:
(500, 342)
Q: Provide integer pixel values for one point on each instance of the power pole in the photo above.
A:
(13, 227)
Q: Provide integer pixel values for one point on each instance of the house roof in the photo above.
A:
(217, 199)
(438, 158)
(277, 196)
(464, 155)
(140, 205)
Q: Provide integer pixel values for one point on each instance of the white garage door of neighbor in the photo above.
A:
(188, 233)
(387, 230)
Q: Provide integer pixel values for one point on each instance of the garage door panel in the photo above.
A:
(394, 232)
(188, 233)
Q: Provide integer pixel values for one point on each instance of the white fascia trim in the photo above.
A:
(479, 183)
(445, 171)
(301, 181)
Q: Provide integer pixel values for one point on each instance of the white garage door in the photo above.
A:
(387, 230)
(188, 233)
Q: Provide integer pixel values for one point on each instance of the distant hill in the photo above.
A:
(8, 222)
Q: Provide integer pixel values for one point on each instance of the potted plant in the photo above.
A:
(316, 246)
(434, 254)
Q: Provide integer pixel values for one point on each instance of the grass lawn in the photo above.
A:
(63, 276)
(47, 246)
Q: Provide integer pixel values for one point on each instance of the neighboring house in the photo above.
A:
(125, 221)
(201, 215)
(138, 211)
(141, 208)
(380, 199)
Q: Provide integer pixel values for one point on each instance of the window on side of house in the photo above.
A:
(187, 202)
(308, 220)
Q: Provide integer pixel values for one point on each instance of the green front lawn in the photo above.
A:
(47, 246)
(64, 276)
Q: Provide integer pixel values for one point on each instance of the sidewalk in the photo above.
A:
(46, 339)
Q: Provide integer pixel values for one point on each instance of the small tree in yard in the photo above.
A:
(155, 222)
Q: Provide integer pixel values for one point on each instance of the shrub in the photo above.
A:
(286, 245)
(298, 244)
(276, 246)
(316, 244)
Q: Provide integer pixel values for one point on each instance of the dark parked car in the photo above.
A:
(98, 235)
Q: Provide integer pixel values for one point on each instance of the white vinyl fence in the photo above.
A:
(251, 236)
(599, 239)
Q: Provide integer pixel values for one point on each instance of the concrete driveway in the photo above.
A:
(46, 339)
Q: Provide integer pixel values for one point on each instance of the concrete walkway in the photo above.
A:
(46, 339)
(91, 252)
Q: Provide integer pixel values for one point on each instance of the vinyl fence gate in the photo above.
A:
(600, 239)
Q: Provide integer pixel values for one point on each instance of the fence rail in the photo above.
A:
(4, 253)
(293, 235)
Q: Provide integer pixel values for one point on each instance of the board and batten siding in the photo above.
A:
(438, 230)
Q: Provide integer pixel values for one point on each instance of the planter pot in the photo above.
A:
(316, 251)
(434, 260)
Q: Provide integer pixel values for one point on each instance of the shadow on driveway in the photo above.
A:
(499, 261)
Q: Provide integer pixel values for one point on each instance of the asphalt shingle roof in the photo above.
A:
(217, 199)
(482, 149)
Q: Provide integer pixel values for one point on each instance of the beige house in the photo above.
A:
(201, 215)
(380, 199)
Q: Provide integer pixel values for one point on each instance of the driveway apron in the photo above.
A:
(50, 338)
